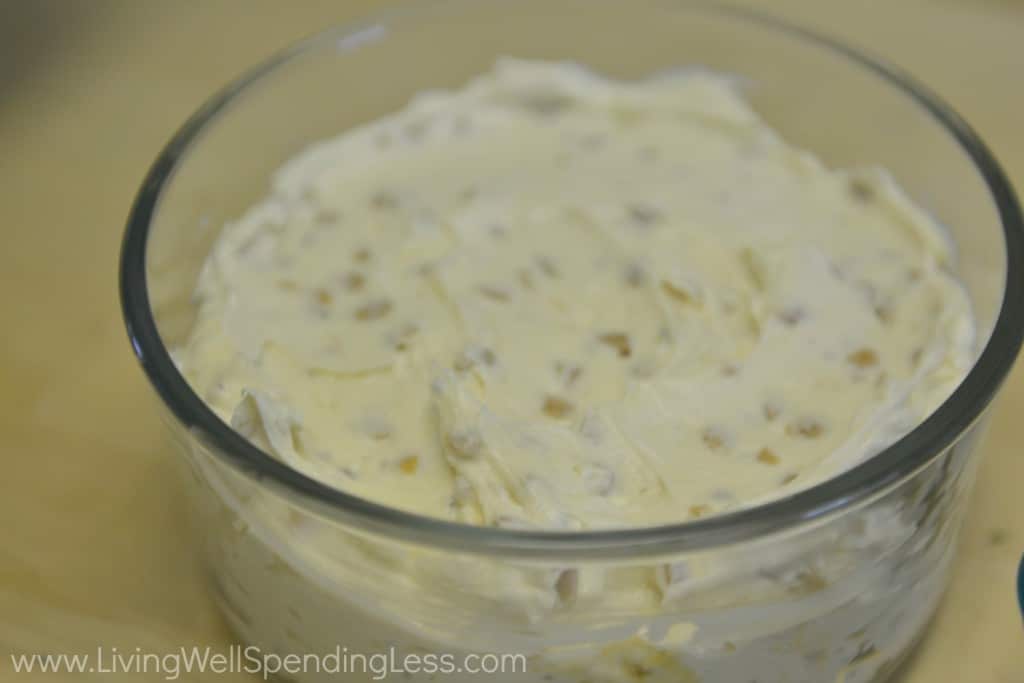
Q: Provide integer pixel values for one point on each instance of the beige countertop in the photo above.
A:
(93, 547)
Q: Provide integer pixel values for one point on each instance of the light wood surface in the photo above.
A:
(93, 547)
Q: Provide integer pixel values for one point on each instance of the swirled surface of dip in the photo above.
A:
(551, 300)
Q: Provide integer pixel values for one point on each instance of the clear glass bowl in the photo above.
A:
(833, 583)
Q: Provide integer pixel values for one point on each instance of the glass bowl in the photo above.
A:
(832, 583)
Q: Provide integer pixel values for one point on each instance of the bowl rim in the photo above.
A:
(856, 486)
